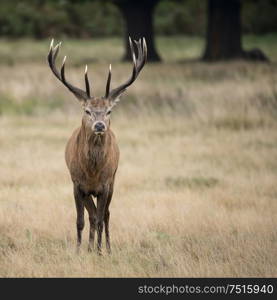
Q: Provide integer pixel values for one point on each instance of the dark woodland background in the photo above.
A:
(221, 22)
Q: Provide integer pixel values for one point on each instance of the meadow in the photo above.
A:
(195, 193)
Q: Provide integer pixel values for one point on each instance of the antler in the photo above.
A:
(52, 55)
(138, 64)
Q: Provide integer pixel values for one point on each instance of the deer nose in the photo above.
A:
(99, 126)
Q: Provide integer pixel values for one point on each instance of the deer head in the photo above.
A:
(97, 110)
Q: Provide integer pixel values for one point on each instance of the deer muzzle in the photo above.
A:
(99, 127)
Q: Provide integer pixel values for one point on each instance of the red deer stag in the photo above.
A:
(92, 153)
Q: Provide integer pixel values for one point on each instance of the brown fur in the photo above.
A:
(92, 161)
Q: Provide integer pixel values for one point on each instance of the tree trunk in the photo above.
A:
(138, 16)
(223, 38)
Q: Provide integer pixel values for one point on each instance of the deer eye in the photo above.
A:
(108, 112)
(88, 112)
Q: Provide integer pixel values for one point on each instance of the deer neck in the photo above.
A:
(95, 147)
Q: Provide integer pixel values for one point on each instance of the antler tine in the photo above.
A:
(52, 55)
(138, 44)
(87, 82)
(138, 63)
(144, 49)
(56, 51)
(134, 73)
(133, 58)
(141, 44)
(51, 58)
(62, 71)
(51, 44)
(132, 51)
(108, 82)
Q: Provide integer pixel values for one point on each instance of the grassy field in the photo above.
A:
(195, 193)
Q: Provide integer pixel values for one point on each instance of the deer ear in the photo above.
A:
(116, 98)
(82, 101)
(114, 101)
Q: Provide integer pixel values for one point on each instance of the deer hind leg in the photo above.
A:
(80, 215)
(91, 208)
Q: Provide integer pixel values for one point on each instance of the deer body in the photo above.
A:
(92, 161)
(92, 153)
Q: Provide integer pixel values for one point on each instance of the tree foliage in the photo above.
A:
(90, 18)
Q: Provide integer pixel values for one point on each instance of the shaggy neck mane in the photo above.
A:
(94, 147)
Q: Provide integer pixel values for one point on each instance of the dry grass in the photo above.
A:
(196, 190)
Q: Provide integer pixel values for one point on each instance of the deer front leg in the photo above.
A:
(107, 220)
(100, 214)
(91, 208)
(107, 231)
(80, 215)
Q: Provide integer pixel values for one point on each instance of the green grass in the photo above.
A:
(29, 106)
(171, 49)
(267, 43)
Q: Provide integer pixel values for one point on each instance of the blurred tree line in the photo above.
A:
(95, 18)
